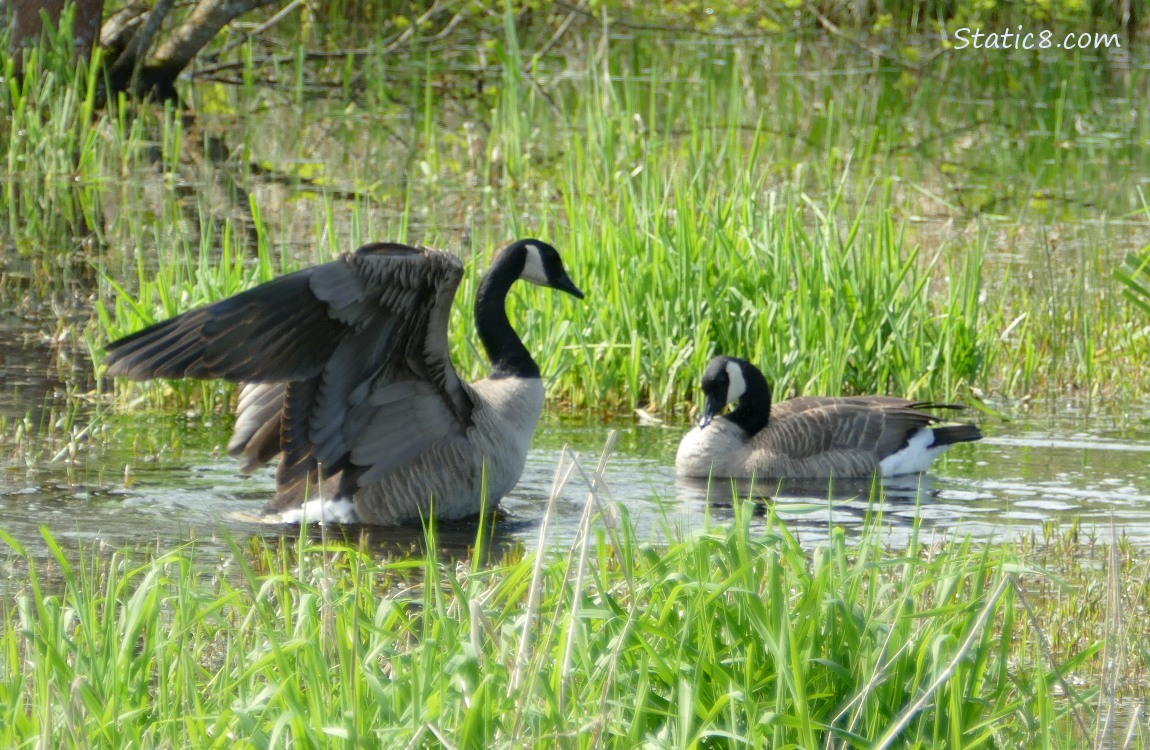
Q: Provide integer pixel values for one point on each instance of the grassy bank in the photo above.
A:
(728, 637)
(850, 224)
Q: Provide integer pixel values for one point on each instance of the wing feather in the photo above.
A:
(843, 436)
(256, 436)
(352, 353)
(405, 419)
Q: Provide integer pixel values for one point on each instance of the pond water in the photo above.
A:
(1025, 473)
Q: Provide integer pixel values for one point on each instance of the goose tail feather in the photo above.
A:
(950, 434)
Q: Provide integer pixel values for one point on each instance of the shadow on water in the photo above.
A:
(447, 540)
(791, 497)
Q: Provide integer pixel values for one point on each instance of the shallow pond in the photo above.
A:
(1026, 473)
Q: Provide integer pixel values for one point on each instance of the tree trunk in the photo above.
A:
(25, 24)
(143, 74)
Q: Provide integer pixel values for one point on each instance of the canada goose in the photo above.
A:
(347, 376)
(809, 437)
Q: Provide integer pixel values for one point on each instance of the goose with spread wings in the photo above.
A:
(347, 378)
(810, 437)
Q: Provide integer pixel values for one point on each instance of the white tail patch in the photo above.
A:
(916, 457)
(339, 510)
(737, 384)
(533, 270)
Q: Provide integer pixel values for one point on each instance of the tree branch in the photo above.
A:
(206, 20)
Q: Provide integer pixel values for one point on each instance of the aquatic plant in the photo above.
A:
(867, 236)
(728, 635)
(1136, 276)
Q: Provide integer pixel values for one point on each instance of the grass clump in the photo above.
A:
(849, 225)
(1135, 274)
(51, 185)
(731, 636)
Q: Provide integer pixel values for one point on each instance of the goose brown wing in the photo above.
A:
(843, 425)
(880, 431)
(799, 404)
(338, 335)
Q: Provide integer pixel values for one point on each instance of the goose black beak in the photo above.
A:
(565, 284)
(711, 409)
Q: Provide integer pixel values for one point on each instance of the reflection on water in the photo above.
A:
(1012, 482)
(1018, 478)
(26, 376)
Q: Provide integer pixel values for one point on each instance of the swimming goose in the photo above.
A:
(347, 377)
(809, 437)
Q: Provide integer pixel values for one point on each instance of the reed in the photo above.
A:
(732, 635)
(860, 231)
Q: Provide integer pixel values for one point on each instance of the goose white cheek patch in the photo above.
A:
(533, 270)
(737, 384)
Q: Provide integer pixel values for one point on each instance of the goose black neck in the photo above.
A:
(753, 411)
(509, 358)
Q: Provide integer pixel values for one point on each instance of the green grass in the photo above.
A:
(1135, 275)
(49, 138)
(866, 229)
(859, 230)
(732, 636)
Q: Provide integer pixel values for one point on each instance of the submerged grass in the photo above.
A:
(731, 636)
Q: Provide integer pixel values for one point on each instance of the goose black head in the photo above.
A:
(724, 382)
(530, 260)
(542, 265)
